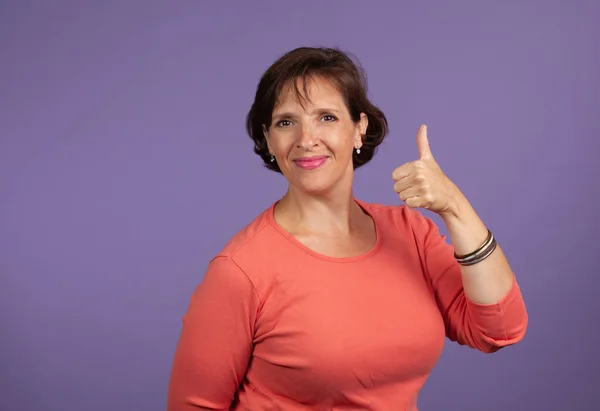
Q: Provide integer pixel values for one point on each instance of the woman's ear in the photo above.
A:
(363, 123)
(266, 135)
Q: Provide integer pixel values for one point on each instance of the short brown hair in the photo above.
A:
(303, 63)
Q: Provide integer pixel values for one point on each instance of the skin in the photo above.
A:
(319, 207)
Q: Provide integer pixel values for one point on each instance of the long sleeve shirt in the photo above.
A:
(274, 325)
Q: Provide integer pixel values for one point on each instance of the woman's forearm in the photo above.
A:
(487, 281)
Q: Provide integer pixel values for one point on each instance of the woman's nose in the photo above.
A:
(306, 138)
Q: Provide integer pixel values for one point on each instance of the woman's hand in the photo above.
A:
(422, 183)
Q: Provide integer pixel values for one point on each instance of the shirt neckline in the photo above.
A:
(364, 206)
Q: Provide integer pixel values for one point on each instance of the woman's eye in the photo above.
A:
(329, 117)
(284, 123)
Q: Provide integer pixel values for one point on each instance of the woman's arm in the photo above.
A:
(487, 281)
(215, 344)
(422, 183)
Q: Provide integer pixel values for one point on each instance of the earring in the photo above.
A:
(357, 150)
(272, 159)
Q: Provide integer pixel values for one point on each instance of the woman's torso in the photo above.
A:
(339, 333)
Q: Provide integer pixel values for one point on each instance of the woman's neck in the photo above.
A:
(331, 214)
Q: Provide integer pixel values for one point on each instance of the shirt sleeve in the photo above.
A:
(216, 339)
(486, 327)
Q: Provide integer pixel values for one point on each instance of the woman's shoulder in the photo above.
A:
(256, 249)
(256, 231)
(398, 215)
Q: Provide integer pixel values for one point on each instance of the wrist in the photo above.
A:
(466, 229)
(457, 209)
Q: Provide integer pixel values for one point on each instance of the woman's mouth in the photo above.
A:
(310, 163)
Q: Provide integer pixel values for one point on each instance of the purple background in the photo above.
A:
(124, 167)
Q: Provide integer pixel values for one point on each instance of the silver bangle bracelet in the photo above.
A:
(485, 253)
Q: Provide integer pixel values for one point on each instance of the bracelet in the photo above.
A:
(483, 252)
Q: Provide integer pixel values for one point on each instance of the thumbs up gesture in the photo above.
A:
(422, 183)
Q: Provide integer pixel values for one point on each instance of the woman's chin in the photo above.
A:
(315, 183)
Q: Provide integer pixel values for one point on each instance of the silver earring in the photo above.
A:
(272, 159)
(357, 150)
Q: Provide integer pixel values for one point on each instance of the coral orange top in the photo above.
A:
(276, 326)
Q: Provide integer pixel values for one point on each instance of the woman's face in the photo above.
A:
(313, 145)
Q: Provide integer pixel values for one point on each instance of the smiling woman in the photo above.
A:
(317, 134)
(327, 302)
(287, 84)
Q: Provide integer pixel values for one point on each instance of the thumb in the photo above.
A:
(423, 143)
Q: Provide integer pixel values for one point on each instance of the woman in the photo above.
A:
(327, 302)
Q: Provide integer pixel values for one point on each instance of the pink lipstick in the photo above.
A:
(310, 163)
